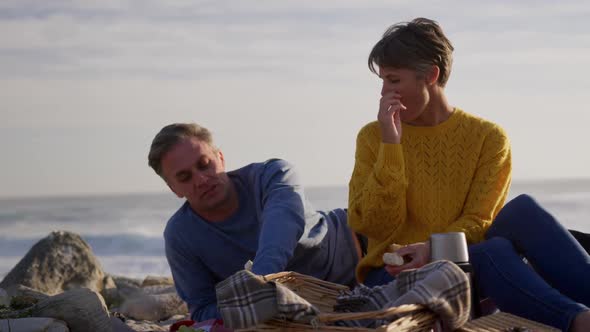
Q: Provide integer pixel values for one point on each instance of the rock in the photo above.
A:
(154, 307)
(154, 280)
(143, 326)
(82, 309)
(117, 289)
(110, 293)
(59, 262)
(127, 287)
(152, 303)
(120, 326)
(4, 298)
(158, 289)
(121, 281)
(108, 282)
(174, 319)
(20, 290)
(22, 302)
(33, 324)
(127, 324)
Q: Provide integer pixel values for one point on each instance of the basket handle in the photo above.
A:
(377, 314)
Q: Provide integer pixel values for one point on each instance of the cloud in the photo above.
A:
(83, 68)
(186, 39)
(85, 42)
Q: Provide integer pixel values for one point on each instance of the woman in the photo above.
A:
(426, 167)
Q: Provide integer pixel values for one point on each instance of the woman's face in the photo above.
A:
(411, 86)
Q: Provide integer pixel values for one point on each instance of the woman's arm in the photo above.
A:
(489, 188)
(377, 189)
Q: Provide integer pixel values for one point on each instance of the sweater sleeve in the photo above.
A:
(283, 217)
(194, 282)
(377, 188)
(489, 187)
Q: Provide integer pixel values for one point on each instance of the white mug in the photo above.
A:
(449, 246)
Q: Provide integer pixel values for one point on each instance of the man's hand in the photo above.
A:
(417, 255)
(390, 107)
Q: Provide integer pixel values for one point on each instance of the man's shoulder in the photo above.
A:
(176, 221)
(260, 168)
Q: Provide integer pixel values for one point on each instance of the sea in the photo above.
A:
(125, 230)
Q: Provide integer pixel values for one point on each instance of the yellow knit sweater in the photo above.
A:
(453, 177)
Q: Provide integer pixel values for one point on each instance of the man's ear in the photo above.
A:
(432, 75)
(221, 158)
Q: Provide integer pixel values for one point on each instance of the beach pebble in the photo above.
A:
(145, 326)
(154, 307)
(121, 281)
(142, 325)
(33, 324)
(154, 280)
(158, 289)
(121, 289)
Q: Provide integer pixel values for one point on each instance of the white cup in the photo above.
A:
(449, 246)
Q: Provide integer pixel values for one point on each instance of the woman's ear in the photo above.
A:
(432, 75)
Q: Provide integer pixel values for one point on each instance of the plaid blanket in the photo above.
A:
(245, 300)
(441, 286)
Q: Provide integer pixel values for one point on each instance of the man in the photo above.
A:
(258, 212)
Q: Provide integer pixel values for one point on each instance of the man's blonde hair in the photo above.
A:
(170, 136)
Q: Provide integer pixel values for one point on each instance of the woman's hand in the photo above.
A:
(416, 255)
(390, 107)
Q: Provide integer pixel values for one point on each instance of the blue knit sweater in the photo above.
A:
(274, 226)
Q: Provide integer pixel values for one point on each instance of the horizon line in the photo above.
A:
(581, 181)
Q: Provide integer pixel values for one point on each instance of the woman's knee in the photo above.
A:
(524, 201)
(515, 217)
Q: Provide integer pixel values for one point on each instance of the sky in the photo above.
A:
(85, 85)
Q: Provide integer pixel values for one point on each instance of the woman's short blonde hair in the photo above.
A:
(417, 45)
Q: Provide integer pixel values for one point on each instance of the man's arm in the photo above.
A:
(194, 283)
(283, 217)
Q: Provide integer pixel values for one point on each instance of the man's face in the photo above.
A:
(196, 171)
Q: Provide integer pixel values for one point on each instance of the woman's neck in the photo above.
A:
(437, 111)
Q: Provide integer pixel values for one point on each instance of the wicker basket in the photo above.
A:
(322, 294)
(502, 322)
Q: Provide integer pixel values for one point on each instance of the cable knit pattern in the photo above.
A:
(453, 177)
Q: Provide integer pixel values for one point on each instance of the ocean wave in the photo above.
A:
(108, 245)
(121, 265)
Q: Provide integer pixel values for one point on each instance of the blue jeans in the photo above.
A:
(377, 277)
(552, 288)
